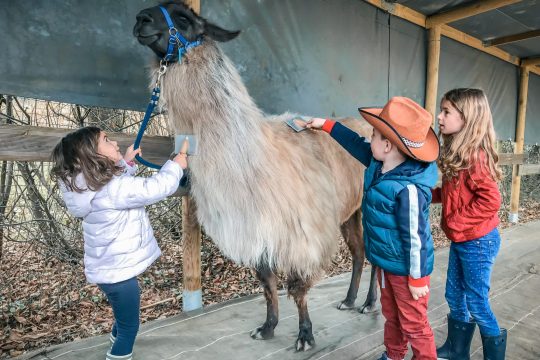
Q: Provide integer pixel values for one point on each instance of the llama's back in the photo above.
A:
(334, 163)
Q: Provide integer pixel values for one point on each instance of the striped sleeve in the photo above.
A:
(413, 227)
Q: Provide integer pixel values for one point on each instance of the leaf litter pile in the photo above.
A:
(44, 301)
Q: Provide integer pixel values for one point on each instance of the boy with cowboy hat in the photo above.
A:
(400, 172)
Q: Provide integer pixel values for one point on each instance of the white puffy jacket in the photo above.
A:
(119, 242)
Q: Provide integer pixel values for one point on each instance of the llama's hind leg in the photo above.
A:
(298, 288)
(370, 305)
(352, 234)
(269, 283)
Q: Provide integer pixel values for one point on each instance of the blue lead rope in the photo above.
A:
(149, 110)
(175, 38)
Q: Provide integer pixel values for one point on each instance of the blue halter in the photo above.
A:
(175, 38)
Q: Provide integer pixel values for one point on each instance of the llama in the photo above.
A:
(268, 197)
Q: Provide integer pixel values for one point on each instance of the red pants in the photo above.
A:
(406, 319)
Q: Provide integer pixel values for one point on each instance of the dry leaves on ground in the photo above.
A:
(45, 301)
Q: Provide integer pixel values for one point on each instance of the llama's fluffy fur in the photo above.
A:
(263, 192)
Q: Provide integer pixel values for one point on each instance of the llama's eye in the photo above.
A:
(182, 20)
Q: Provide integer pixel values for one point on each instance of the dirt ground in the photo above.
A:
(44, 301)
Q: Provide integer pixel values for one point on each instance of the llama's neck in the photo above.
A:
(205, 95)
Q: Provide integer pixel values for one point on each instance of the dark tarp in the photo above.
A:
(73, 51)
(315, 57)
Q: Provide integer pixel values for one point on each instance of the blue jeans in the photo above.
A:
(467, 283)
(125, 299)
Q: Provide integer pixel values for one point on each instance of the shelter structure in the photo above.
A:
(315, 57)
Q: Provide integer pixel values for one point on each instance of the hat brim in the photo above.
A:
(428, 152)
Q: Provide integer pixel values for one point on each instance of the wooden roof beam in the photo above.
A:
(400, 11)
(512, 38)
(535, 70)
(419, 19)
(473, 42)
(459, 13)
(530, 61)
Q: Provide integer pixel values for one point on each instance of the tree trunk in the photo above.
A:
(6, 178)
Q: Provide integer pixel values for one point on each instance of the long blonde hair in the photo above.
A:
(460, 150)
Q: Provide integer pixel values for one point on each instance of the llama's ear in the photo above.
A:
(219, 34)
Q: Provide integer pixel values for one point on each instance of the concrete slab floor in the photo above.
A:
(222, 331)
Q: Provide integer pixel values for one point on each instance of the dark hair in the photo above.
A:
(77, 153)
(397, 147)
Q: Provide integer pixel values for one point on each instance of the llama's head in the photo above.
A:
(152, 29)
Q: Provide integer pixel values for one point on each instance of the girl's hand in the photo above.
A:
(130, 154)
(181, 157)
(418, 292)
(315, 123)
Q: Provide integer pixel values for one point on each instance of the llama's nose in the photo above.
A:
(144, 18)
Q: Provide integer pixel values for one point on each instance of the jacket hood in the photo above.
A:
(420, 173)
(78, 204)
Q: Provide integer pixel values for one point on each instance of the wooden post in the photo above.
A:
(195, 5)
(432, 81)
(520, 140)
(191, 239)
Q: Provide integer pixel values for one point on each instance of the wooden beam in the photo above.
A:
(511, 159)
(454, 34)
(520, 140)
(476, 8)
(530, 61)
(400, 11)
(471, 41)
(512, 38)
(32, 143)
(535, 70)
(432, 80)
(529, 169)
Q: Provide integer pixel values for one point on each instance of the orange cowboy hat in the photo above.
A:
(407, 125)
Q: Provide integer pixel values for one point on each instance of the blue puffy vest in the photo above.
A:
(383, 243)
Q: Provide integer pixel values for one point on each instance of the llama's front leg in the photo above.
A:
(269, 283)
(298, 289)
(370, 305)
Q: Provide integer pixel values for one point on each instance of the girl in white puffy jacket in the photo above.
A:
(99, 186)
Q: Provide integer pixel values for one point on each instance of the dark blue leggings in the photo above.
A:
(125, 299)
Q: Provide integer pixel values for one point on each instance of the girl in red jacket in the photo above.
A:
(470, 201)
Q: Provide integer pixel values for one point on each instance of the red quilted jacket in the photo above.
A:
(470, 203)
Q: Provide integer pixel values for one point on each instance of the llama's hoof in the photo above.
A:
(262, 333)
(304, 344)
(346, 305)
(368, 309)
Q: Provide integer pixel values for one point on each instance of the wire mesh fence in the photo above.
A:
(41, 244)
(44, 298)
